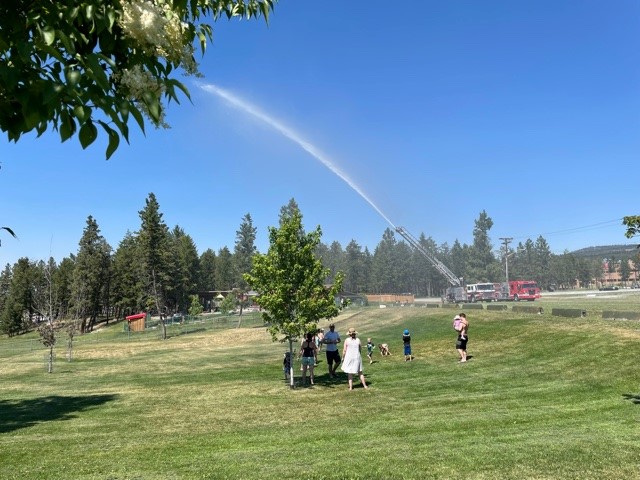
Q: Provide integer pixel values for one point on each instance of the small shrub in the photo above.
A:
(608, 314)
(568, 312)
(496, 306)
(526, 309)
(472, 306)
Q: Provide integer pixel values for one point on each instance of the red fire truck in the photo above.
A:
(517, 290)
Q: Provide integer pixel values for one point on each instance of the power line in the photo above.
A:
(585, 228)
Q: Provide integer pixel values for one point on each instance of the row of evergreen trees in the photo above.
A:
(157, 269)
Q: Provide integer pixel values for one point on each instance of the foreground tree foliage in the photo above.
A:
(80, 65)
(632, 223)
(290, 281)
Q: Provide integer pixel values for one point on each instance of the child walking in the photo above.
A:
(406, 340)
(286, 365)
(370, 347)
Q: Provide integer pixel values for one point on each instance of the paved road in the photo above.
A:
(561, 293)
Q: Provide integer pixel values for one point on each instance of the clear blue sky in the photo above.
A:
(435, 111)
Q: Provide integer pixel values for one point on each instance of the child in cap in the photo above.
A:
(406, 340)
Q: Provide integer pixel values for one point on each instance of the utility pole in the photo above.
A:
(506, 241)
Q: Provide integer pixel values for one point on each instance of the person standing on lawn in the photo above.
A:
(308, 351)
(331, 340)
(406, 341)
(352, 358)
(461, 342)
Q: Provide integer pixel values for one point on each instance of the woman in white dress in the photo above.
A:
(352, 358)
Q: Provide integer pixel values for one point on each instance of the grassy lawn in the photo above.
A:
(542, 397)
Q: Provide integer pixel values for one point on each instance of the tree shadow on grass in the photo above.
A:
(633, 398)
(26, 413)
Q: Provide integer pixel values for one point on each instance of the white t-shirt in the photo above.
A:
(331, 339)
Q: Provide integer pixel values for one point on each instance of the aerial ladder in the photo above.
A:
(456, 291)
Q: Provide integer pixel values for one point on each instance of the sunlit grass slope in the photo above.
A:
(541, 398)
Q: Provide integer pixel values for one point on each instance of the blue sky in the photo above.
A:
(433, 111)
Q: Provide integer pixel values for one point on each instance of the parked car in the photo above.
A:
(608, 288)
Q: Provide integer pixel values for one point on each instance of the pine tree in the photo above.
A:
(185, 266)
(127, 285)
(207, 277)
(224, 269)
(90, 275)
(243, 253)
(153, 238)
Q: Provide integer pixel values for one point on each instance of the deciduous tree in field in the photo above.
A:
(290, 281)
(48, 339)
(195, 308)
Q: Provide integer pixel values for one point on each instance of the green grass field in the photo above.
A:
(541, 398)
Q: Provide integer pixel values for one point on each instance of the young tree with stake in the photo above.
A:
(289, 280)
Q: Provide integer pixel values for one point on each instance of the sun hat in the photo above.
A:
(352, 331)
(406, 332)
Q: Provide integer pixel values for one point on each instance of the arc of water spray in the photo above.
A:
(293, 136)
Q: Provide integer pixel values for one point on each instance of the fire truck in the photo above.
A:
(479, 292)
(517, 290)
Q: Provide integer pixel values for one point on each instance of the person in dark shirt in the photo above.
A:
(463, 336)
(308, 351)
(406, 341)
(286, 365)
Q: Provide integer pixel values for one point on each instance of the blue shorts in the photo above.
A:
(308, 361)
(407, 349)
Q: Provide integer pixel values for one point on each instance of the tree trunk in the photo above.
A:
(50, 369)
(155, 295)
(292, 382)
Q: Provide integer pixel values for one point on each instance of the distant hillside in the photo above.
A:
(609, 251)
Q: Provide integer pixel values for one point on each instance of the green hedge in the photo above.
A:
(527, 309)
(449, 305)
(496, 306)
(568, 312)
(472, 306)
(621, 315)
(433, 305)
